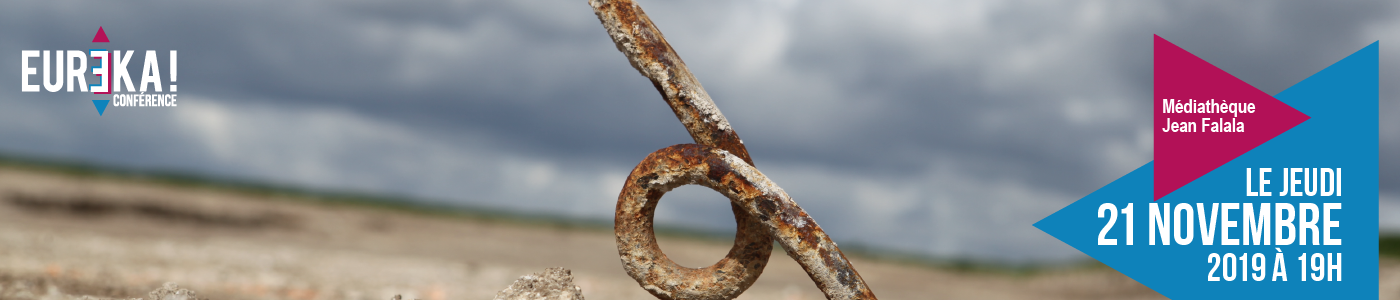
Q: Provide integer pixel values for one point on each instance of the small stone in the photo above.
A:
(170, 291)
(553, 284)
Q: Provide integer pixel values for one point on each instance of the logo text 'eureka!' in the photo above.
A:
(68, 70)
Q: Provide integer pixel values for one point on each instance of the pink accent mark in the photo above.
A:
(101, 36)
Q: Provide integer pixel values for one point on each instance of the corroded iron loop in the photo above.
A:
(660, 172)
(765, 206)
(720, 162)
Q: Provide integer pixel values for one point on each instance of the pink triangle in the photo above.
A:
(1182, 157)
(101, 36)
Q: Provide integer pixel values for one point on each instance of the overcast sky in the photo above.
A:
(943, 128)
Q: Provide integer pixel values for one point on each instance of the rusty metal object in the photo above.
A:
(721, 162)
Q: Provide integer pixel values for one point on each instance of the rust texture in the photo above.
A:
(720, 161)
(745, 187)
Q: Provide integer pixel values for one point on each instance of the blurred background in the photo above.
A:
(936, 128)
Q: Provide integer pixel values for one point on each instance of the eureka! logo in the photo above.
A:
(64, 70)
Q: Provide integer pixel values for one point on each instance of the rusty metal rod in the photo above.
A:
(634, 34)
(721, 162)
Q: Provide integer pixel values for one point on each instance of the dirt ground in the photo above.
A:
(63, 236)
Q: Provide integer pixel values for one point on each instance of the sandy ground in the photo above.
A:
(64, 235)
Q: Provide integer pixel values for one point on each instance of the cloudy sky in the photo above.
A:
(937, 127)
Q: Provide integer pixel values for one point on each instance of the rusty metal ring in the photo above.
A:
(766, 208)
(660, 172)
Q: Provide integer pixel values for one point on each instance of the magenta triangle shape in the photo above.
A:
(101, 36)
(1204, 117)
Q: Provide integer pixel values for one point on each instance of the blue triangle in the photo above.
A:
(101, 105)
